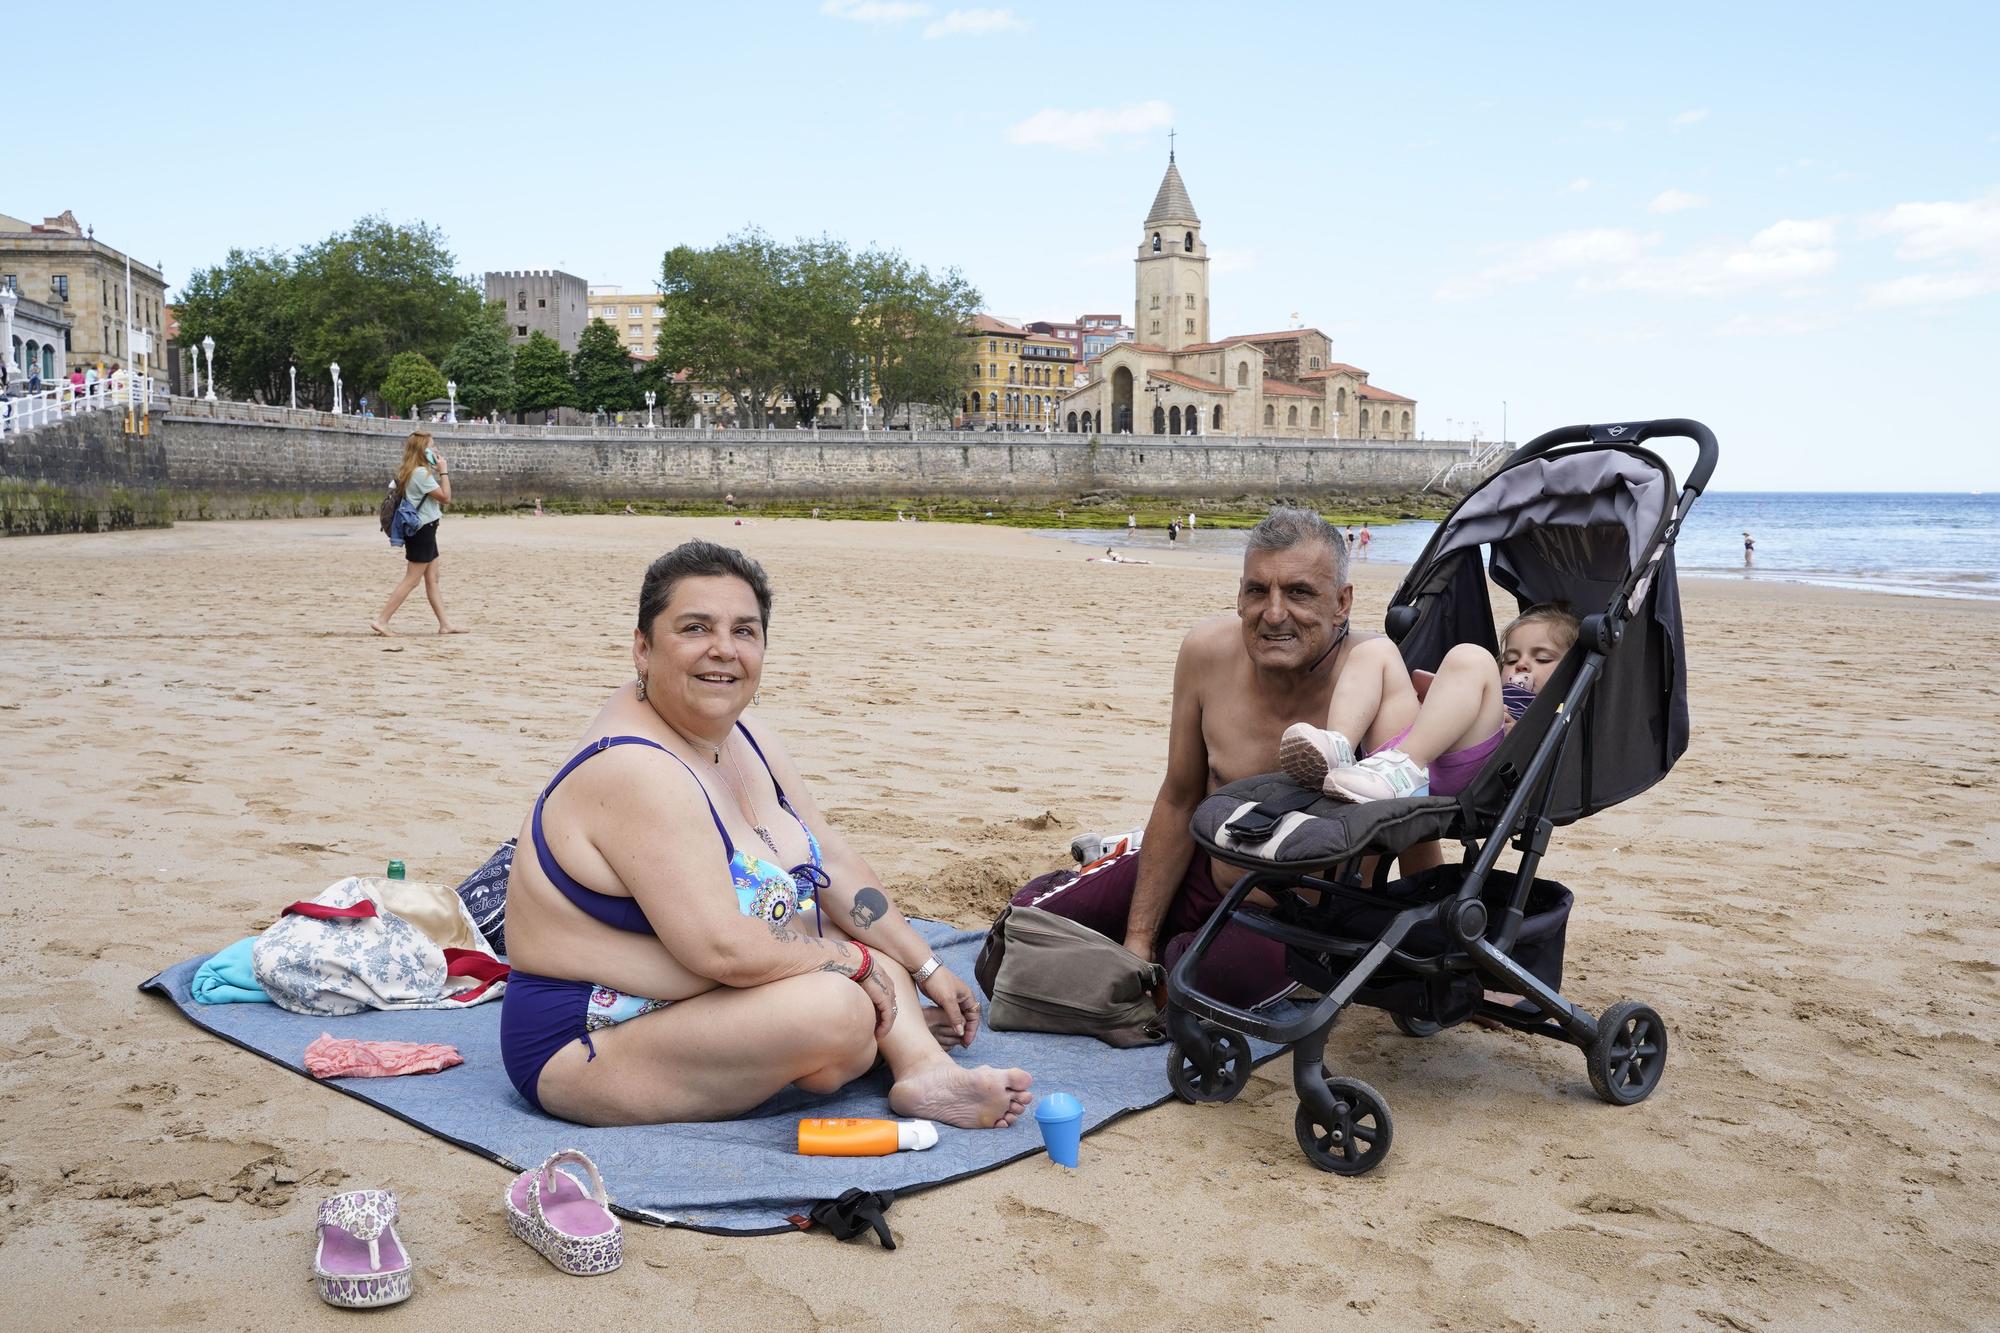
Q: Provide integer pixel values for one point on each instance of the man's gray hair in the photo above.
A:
(1286, 526)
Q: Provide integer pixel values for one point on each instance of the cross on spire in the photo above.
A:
(1170, 144)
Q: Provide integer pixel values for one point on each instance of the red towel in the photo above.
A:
(344, 1057)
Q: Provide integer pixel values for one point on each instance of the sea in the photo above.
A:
(1923, 544)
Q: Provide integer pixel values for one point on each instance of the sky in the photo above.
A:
(1780, 219)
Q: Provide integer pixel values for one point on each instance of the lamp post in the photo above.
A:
(8, 298)
(293, 369)
(451, 391)
(649, 408)
(334, 368)
(208, 350)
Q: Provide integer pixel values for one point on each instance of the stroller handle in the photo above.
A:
(1630, 432)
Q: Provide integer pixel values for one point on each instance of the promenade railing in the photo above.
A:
(23, 412)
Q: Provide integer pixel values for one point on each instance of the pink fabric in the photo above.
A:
(344, 1057)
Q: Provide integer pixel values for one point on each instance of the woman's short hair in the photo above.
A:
(1286, 526)
(699, 559)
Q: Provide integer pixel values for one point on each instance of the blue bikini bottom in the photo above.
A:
(541, 1015)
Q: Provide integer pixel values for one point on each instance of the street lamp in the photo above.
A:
(208, 350)
(8, 298)
(334, 367)
(649, 409)
(451, 391)
(293, 368)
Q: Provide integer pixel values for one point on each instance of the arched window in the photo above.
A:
(1406, 423)
(1340, 400)
(1192, 419)
(1315, 363)
(1174, 421)
(992, 371)
(1242, 374)
(1156, 242)
(1062, 375)
(48, 361)
(1190, 300)
(1010, 376)
(1159, 420)
(1292, 415)
(975, 401)
(1270, 415)
(520, 300)
(1072, 423)
(1187, 243)
(1217, 423)
(1315, 418)
(1364, 421)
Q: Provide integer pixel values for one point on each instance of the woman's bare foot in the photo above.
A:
(450, 629)
(982, 1098)
(381, 629)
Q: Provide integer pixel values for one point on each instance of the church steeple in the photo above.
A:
(1171, 309)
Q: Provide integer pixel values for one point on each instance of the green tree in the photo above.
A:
(723, 319)
(817, 300)
(410, 380)
(245, 303)
(911, 327)
(541, 375)
(601, 370)
(482, 365)
(673, 396)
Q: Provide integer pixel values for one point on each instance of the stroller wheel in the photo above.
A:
(1232, 1068)
(1415, 1027)
(1357, 1139)
(1630, 1053)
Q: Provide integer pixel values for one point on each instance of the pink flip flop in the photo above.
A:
(360, 1262)
(574, 1231)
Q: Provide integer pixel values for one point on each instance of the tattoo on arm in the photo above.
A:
(870, 906)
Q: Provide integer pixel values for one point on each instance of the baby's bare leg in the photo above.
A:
(1461, 709)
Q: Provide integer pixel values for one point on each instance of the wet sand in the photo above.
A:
(198, 727)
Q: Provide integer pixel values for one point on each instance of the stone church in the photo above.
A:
(1175, 380)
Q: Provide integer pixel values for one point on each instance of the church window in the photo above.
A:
(1190, 300)
(1156, 326)
(1156, 300)
(1406, 423)
(1292, 415)
(1315, 363)
(1218, 416)
(1242, 374)
(1340, 399)
(1156, 242)
(1159, 420)
(1315, 418)
(1188, 243)
(1364, 421)
(1190, 326)
(1072, 423)
(1270, 415)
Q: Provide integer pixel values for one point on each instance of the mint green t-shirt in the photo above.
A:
(418, 492)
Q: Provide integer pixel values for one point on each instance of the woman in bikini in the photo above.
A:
(668, 965)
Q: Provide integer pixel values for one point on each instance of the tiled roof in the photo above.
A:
(1280, 335)
(988, 324)
(1280, 389)
(1334, 368)
(1172, 204)
(1376, 391)
(1188, 381)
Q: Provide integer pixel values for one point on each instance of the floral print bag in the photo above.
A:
(343, 952)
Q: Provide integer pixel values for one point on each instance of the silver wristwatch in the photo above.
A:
(923, 974)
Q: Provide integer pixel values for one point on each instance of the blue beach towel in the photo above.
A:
(226, 978)
(742, 1176)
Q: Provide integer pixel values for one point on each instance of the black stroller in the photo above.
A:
(1582, 515)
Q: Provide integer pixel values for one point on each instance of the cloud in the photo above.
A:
(1944, 230)
(974, 23)
(1579, 185)
(1933, 288)
(1607, 125)
(874, 11)
(1674, 201)
(1621, 259)
(1694, 117)
(1774, 326)
(1088, 130)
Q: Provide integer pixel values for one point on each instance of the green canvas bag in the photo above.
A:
(1045, 973)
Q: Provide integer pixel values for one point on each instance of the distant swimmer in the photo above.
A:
(1111, 557)
(1749, 549)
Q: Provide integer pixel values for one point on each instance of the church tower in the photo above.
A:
(1171, 310)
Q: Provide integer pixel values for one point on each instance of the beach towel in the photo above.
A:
(743, 1176)
(228, 978)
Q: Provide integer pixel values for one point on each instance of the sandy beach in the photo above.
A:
(198, 729)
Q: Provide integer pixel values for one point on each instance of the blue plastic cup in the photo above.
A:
(1061, 1118)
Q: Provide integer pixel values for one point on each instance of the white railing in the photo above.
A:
(1476, 458)
(28, 411)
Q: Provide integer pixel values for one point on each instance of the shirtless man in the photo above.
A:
(1238, 683)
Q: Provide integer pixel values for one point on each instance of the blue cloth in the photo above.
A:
(403, 523)
(227, 979)
(742, 1176)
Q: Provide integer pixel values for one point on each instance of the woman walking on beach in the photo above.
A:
(425, 481)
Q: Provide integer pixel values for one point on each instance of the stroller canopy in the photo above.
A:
(1589, 527)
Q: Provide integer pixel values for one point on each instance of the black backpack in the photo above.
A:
(389, 503)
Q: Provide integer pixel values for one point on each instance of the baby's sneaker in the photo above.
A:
(1382, 776)
(1308, 753)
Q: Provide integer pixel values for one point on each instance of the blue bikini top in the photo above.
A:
(763, 888)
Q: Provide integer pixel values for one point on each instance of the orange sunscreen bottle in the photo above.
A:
(863, 1138)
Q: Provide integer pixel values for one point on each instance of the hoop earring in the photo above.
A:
(756, 697)
(641, 683)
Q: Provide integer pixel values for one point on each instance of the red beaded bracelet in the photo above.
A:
(867, 962)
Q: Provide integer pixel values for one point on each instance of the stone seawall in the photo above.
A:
(83, 474)
(243, 467)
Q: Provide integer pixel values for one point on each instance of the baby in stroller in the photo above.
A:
(1465, 714)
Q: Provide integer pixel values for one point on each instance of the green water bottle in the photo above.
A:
(395, 870)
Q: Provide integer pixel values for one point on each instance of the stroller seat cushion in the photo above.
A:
(1271, 821)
